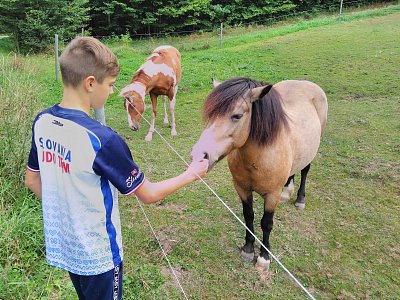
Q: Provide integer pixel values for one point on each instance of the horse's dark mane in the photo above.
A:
(267, 116)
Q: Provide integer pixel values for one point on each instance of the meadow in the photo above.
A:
(344, 245)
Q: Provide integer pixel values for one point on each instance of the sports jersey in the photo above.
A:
(82, 164)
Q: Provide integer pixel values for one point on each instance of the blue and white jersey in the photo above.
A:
(82, 164)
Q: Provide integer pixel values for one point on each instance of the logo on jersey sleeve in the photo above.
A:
(134, 175)
(58, 123)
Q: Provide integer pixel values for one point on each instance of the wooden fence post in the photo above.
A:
(341, 7)
(56, 54)
(100, 115)
(220, 36)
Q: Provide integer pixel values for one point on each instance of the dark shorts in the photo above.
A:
(106, 286)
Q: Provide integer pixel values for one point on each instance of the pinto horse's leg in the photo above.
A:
(288, 189)
(149, 135)
(165, 110)
(248, 213)
(172, 109)
(300, 201)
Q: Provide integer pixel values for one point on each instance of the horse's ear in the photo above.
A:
(259, 92)
(215, 82)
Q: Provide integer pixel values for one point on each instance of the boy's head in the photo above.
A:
(87, 56)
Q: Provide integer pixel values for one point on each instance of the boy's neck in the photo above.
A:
(75, 98)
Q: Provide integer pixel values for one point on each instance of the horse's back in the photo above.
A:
(170, 56)
(306, 106)
(302, 95)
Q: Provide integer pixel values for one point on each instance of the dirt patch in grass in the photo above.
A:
(180, 273)
(167, 241)
(172, 207)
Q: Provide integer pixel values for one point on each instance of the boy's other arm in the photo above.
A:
(34, 182)
(150, 192)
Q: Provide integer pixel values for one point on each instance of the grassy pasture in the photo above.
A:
(344, 245)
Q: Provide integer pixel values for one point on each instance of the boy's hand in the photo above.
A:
(197, 168)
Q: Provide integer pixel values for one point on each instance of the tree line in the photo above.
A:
(33, 23)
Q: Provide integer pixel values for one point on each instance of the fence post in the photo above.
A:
(100, 115)
(220, 36)
(341, 7)
(56, 54)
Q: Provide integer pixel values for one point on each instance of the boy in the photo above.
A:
(76, 165)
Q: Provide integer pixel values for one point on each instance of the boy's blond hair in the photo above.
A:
(87, 56)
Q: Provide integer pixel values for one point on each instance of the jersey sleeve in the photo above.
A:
(33, 162)
(115, 163)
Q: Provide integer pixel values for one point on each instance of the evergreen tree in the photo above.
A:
(33, 24)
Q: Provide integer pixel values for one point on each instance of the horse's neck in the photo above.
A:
(143, 80)
(141, 77)
(252, 151)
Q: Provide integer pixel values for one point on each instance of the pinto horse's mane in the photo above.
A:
(267, 116)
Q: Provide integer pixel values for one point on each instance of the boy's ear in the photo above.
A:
(88, 83)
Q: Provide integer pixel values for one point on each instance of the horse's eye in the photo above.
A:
(236, 117)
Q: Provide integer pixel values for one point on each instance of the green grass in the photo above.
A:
(344, 245)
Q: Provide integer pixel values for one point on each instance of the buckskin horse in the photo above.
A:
(158, 75)
(269, 132)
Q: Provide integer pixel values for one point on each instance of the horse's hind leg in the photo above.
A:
(165, 109)
(288, 189)
(248, 213)
(300, 201)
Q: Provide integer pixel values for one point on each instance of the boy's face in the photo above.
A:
(101, 92)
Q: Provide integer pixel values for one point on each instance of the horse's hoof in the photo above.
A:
(285, 196)
(247, 256)
(148, 138)
(262, 265)
(300, 205)
(174, 133)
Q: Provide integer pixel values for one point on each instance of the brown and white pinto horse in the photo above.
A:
(269, 133)
(159, 75)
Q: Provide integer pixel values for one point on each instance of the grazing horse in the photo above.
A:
(159, 75)
(269, 133)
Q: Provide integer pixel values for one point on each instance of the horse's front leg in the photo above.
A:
(248, 213)
(172, 110)
(267, 222)
(149, 135)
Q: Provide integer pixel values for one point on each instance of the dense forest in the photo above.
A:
(33, 23)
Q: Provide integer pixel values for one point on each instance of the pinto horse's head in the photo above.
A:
(134, 95)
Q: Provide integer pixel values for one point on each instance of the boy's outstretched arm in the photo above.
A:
(150, 192)
(34, 182)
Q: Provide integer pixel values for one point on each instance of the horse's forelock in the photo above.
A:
(223, 97)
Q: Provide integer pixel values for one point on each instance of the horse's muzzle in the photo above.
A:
(134, 127)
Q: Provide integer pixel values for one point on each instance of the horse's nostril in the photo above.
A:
(205, 155)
